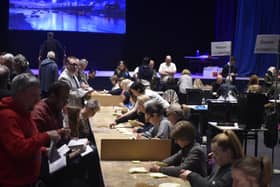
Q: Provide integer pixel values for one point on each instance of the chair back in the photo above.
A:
(194, 96)
(254, 115)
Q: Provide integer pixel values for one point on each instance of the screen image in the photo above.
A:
(100, 16)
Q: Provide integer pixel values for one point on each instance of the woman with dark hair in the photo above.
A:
(252, 172)
(253, 85)
(190, 156)
(226, 149)
(122, 71)
(154, 114)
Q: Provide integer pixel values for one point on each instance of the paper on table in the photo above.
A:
(53, 154)
(169, 185)
(157, 175)
(78, 142)
(63, 150)
(138, 170)
(87, 151)
(57, 165)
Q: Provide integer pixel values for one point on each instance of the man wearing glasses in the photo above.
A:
(69, 73)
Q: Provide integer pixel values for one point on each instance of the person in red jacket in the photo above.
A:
(20, 142)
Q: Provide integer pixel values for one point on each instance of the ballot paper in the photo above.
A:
(138, 170)
(87, 151)
(63, 150)
(169, 185)
(77, 143)
(58, 164)
(157, 175)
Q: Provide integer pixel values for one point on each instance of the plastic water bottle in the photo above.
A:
(197, 52)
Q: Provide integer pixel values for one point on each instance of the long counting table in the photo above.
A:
(115, 173)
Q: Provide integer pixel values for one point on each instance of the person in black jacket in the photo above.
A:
(191, 155)
(226, 149)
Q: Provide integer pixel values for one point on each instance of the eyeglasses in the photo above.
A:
(73, 64)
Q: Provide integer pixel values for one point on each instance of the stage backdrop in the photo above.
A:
(254, 17)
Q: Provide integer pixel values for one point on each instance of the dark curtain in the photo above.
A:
(254, 17)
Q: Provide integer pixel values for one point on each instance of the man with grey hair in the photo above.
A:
(48, 73)
(21, 144)
(81, 75)
(4, 80)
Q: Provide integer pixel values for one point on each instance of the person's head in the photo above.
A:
(125, 84)
(50, 35)
(197, 83)
(226, 148)
(175, 113)
(142, 99)
(254, 79)
(83, 64)
(72, 65)
(51, 55)
(122, 66)
(114, 79)
(58, 94)
(91, 107)
(26, 90)
(271, 70)
(250, 171)
(153, 111)
(232, 60)
(219, 79)
(186, 72)
(137, 88)
(20, 63)
(168, 59)
(8, 60)
(152, 63)
(183, 133)
(4, 76)
(146, 60)
(92, 74)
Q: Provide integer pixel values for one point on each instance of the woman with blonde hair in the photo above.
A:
(197, 83)
(252, 172)
(226, 149)
(185, 81)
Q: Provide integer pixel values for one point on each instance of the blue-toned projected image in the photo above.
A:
(102, 16)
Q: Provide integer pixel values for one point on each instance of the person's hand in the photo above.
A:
(54, 135)
(184, 174)
(64, 132)
(112, 125)
(153, 168)
(139, 136)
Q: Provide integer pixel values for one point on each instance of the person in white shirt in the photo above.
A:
(167, 69)
(185, 81)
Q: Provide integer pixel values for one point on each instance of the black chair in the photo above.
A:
(194, 96)
(252, 117)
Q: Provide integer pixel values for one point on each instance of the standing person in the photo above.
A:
(20, 142)
(48, 73)
(226, 149)
(51, 44)
(185, 81)
(167, 69)
(230, 70)
(252, 172)
(69, 73)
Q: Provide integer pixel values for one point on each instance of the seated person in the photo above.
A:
(226, 149)
(89, 110)
(251, 171)
(124, 85)
(91, 77)
(253, 85)
(216, 85)
(143, 125)
(121, 71)
(227, 89)
(191, 155)
(116, 90)
(154, 113)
